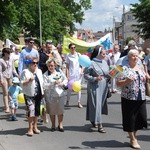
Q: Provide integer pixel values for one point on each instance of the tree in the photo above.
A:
(141, 12)
(9, 20)
(58, 17)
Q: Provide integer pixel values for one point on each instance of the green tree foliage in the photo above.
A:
(141, 12)
(58, 17)
(9, 20)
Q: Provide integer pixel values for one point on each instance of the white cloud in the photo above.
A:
(101, 15)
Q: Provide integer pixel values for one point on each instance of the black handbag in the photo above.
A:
(109, 94)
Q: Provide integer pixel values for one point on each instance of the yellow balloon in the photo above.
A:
(42, 109)
(16, 63)
(76, 86)
(21, 99)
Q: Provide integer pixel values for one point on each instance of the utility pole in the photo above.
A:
(114, 30)
(123, 22)
(40, 22)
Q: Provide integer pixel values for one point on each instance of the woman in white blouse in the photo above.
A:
(54, 82)
(7, 70)
(32, 86)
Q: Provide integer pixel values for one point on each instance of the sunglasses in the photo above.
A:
(34, 63)
(31, 42)
(73, 47)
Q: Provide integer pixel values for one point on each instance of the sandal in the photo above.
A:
(101, 130)
(94, 125)
(29, 133)
(36, 131)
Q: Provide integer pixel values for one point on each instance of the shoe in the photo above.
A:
(134, 144)
(29, 133)
(79, 105)
(14, 118)
(94, 125)
(60, 129)
(11, 118)
(114, 91)
(53, 129)
(67, 103)
(40, 120)
(36, 131)
(7, 111)
(101, 130)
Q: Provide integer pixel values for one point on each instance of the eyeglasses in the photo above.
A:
(73, 47)
(34, 63)
(31, 42)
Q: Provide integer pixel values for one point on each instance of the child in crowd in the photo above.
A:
(13, 92)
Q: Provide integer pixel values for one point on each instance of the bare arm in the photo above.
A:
(124, 82)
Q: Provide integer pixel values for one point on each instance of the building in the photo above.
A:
(126, 29)
(85, 35)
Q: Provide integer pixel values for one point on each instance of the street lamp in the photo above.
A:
(40, 22)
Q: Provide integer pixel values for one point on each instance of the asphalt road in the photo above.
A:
(79, 134)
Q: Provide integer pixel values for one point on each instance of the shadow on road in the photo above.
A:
(98, 144)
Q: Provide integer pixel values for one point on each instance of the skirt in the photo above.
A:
(55, 106)
(134, 114)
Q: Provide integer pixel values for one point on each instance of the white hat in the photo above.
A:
(15, 80)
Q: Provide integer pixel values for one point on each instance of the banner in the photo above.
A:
(9, 42)
(84, 47)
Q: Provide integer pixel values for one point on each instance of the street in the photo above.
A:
(78, 134)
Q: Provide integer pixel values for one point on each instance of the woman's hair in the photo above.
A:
(133, 51)
(70, 45)
(51, 60)
(6, 50)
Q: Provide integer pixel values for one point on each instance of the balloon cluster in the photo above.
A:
(74, 85)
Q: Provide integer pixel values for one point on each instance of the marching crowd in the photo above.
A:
(43, 75)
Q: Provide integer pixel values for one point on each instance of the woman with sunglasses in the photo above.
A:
(7, 70)
(32, 85)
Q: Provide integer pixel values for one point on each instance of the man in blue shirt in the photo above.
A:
(27, 53)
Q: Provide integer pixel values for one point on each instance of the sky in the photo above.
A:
(100, 17)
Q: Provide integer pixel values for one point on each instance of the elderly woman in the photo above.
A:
(7, 70)
(54, 81)
(133, 100)
(32, 82)
(97, 87)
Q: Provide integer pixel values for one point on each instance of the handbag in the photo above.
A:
(109, 94)
(147, 86)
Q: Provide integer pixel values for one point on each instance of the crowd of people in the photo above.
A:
(45, 73)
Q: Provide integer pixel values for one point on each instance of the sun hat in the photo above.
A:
(15, 80)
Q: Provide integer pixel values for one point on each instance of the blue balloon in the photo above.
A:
(84, 61)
